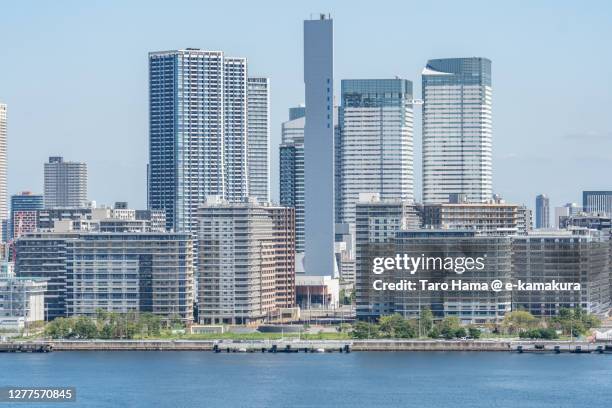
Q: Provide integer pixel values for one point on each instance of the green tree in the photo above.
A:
(426, 320)
(474, 332)
(85, 328)
(448, 327)
(365, 330)
(517, 321)
(60, 328)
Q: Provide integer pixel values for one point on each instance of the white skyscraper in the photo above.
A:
(3, 173)
(258, 131)
(376, 142)
(65, 183)
(319, 146)
(457, 135)
(198, 132)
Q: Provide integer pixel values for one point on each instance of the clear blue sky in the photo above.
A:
(74, 76)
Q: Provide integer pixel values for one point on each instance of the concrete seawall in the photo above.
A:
(307, 345)
(355, 345)
(430, 345)
(132, 345)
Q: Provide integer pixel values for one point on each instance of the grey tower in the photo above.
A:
(319, 146)
(65, 183)
(542, 211)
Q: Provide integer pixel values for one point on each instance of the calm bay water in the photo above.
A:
(205, 379)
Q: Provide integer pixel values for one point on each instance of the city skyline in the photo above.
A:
(551, 123)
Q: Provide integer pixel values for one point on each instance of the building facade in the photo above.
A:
(21, 302)
(377, 222)
(291, 169)
(142, 272)
(577, 256)
(376, 143)
(435, 247)
(43, 256)
(24, 213)
(4, 207)
(258, 130)
(65, 183)
(542, 211)
(319, 132)
(457, 129)
(598, 202)
(198, 132)
(246, 262)
(486, 218)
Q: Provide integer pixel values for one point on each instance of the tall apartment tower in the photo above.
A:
(246, 261)
(65, 183)
(319, 146)
(376, 143)
(258, 131)
(4, 210)
(197, 132)
(542, 211)
(291, 166)
(457, 131)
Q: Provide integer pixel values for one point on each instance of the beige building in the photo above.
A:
(245, 261)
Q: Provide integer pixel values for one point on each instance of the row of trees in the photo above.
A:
(106, 325)
(395, 326)
(569, 322)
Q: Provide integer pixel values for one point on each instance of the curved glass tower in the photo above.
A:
(457, 129)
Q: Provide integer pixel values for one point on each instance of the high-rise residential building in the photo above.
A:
(146, 273)
(258, 131)
(470, 306)
(542, 211)
(246, 261)
(120, 272)
(597, 202)
(24, 213)
(65, 183)
(4, 208)
(43, 255)
(319, 151)
(376, 142)
(567, 257)
(198, 132)
(457, 129)
(377, 222)
(291, 169)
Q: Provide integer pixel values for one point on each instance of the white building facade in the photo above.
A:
(376, 143)
(457, 129)
(258, 131)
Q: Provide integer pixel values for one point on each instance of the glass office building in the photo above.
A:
(457, 129)
(376, 143)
